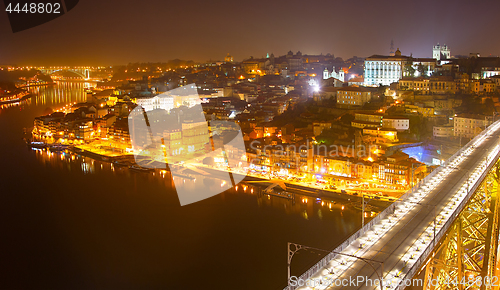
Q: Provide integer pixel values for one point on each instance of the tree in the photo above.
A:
(489, 106)
(347, 119)
(408, 69)
(421, 69)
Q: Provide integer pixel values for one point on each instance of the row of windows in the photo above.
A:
(395, 172)
(380, 73)
(459, 120)
(382, 64)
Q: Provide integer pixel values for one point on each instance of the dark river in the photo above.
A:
(69, 222)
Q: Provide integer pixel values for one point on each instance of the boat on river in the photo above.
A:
(140, 169)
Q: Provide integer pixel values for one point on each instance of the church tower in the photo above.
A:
(441, 52)
(436, 52)
(391, 53)
(341, 75)
(326, 74)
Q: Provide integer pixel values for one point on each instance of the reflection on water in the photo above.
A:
(61, 93)
(53, 95)
(303, 205)
(97, 223)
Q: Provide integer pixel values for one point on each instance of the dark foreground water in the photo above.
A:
(68, 222)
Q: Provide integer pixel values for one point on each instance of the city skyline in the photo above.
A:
(148, 142)
(107, 34)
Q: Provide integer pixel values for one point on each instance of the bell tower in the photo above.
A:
(326, 74)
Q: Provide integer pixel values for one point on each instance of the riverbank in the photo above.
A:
(16, 100)
(378, 202)
(300, 189)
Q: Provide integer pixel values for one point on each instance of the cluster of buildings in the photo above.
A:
(441, 74)
(352, 126)
(85, 123)
(344, 161)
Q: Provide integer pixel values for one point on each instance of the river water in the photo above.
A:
(70, 222)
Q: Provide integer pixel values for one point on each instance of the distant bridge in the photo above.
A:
(83, 72)
(447, 226)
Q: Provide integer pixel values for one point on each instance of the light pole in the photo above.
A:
(362, 209)
(411, 181)
(494, 115)
(298, 247)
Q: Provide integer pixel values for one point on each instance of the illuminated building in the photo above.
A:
(385, 70)
(252, 66)
(119, 134)
(487, 72)
(390, 135)
(85, 130)
(340, 75)
(182, 96)
(427, 64)
(426, 111)
(483, 86)
(467, 125)
(398, 123)
(172, 139)
(398, 169)
(420, 84)
(228, 58)
(445, 131)
(441, 52)
(104, 123)
(432, 85)
(156, 102)
(294, 61)
(353, 96)
(195, 135)
(368, 116)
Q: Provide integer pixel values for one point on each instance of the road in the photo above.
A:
(400, 242)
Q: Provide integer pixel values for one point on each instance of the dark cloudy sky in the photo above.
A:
(115, 32)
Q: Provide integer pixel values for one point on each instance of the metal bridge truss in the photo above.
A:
(468, 252)
(84, 73)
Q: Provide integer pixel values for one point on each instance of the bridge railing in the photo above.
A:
(389, 210)
(444, 229)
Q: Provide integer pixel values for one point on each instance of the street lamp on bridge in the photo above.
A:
(298, 247)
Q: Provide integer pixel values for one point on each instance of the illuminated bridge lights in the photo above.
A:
(340, 264)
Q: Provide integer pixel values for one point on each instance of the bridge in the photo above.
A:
(445, 227)
(83, 72)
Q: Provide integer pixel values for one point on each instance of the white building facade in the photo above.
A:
(398, 123)
(385, 70)
(443, 131)
(469, 126)
(441, 52)
(156, 102)
(337, 75)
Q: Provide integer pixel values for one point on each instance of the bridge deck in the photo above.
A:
(403, 239)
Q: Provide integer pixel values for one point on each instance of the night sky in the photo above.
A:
(98, 32)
